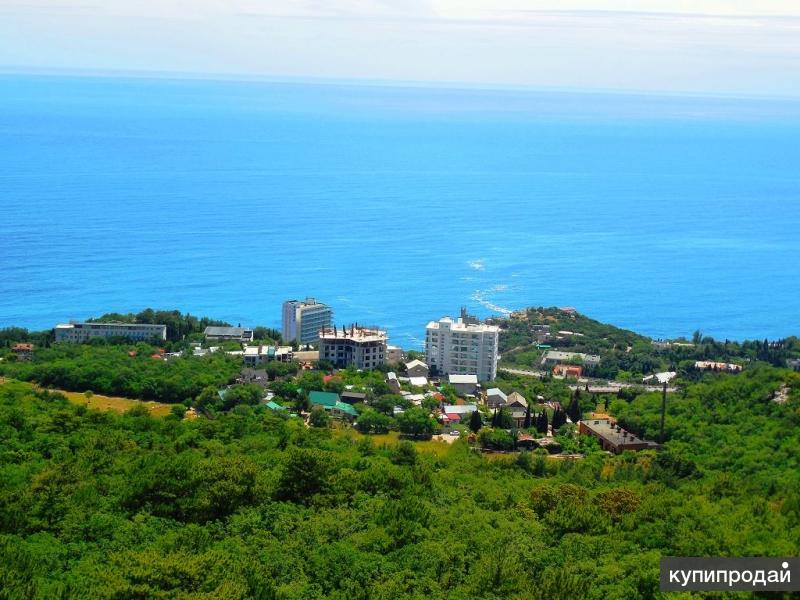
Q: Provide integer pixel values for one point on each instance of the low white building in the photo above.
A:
(554, 357)
(228, 334)
(255, 355)
(77, 333)
(418, 381)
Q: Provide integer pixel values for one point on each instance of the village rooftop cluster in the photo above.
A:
(461, 356)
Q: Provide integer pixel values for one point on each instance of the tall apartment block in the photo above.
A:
(83, 332)
(462, 347)
(360, 347)
(303, 320)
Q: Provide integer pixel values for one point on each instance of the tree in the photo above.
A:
(574, 410)
(541, 422)
(504, 419)
(305, 473)
(208, 399)
(319, 417)
(527, 423)
(372, 421)
(475, 421)
(559, 419)
(415, 421)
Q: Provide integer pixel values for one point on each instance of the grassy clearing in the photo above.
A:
(100, 402)
(393, 437)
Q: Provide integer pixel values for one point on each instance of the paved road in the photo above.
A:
(595, 385)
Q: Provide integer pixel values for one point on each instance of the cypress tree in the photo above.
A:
(541, 422)
(527, 423)
(574, 411)
(475, 422)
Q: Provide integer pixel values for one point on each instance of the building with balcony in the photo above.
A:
(360, 347)
(228, 334)
(77, 333)
(255, 355)
(462, 347)
(302, 320)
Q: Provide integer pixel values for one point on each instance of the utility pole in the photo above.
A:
(663, 412)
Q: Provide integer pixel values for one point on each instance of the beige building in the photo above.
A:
(462, 347)
(361, 347)
(394, 354)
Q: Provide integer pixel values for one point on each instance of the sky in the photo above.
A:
(736, 47)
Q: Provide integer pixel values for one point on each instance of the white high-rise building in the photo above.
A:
(303, 320)
(462, 347)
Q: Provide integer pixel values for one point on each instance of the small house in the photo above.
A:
(416, 368)
(466, 385)
(495, 397)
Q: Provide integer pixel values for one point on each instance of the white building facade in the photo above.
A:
(302, 320)
(460, 348)
(78, 333)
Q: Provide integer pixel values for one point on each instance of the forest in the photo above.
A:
(128, 370)
(254, 504)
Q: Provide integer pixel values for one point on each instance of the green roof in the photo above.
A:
(327, 399)
(344, 407)
(275, 406)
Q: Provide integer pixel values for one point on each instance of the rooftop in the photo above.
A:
(267, 350)
(354, 332)
(213, 330)
(108, 324)
(460, 325)
(613, 433)
(415, 363)
(460, 409)
(455, 378)
(323, 398)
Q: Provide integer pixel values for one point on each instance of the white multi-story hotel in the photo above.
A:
(83, 332)
(360, 347)
(462, 347)
(303, 319)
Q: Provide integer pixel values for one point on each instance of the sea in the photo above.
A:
(397, 203)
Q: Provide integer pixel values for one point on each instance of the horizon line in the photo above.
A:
(455, 85)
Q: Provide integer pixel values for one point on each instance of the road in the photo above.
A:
(599, 386)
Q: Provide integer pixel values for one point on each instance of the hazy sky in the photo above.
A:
(709, 46)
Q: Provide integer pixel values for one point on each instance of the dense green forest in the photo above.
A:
(255, 505)
(124, 370)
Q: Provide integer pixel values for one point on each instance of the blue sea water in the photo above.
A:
(396, 205)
